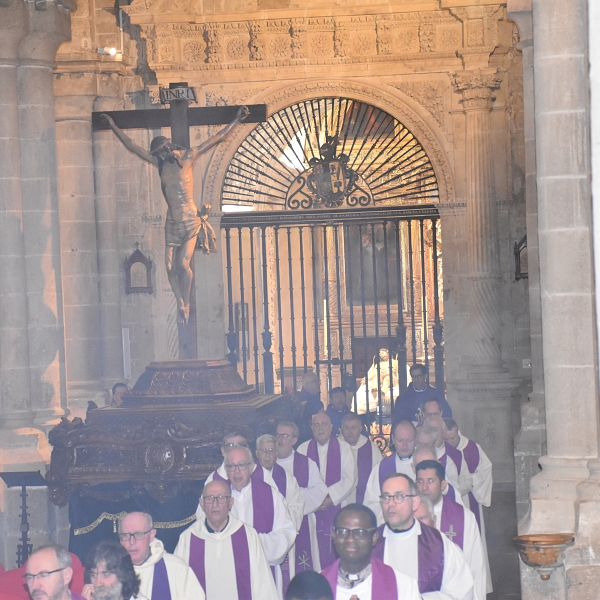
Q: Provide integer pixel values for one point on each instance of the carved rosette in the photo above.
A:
(477, 87)
(257, 42)
(299, 33)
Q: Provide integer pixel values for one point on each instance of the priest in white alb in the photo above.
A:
(260, 505)
(366, 455)
(480, 468)
(161, 574)
(336, 465)
(225, 554)
(314, 491)
(455, 521)
(417, 550)
(287, 486)
(404, 439)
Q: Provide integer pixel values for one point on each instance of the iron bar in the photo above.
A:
(388, 303)
(438, 349)
(315, 298)
(364, 313)
(338, 288)
(279, 312)
(232, 339)
(412, 294)
(303, 296)
(242, 307)
(254, 319)
(376, 323)
(401, 328)
(327, 307)
(349, 291)
(292, 318)
(424, 295)
(267, 336)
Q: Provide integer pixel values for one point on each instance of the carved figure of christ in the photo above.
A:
(184, 221)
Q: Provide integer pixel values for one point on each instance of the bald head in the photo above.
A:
(216, 487)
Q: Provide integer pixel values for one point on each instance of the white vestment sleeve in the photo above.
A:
(295, 501)
(457, 583)
(340, 490)
(262, 584)
(372, 494)
(482, 480)
(316, 491)
(473, 553)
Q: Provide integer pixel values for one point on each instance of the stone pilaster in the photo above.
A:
(14, 343)
(530, 442)
(108, 249)
(79, 262)
(47, 30)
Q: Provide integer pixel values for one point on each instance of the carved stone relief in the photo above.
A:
(430, 94)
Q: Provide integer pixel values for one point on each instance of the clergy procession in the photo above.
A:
(399, 527)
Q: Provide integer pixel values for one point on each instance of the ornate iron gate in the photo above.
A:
(333, 253)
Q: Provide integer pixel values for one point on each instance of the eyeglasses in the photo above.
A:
(217, 499)
(284, 436)
(235, 445)
(358, 534)
(266, 450)
(42, 576)
(137, 536)
(398, 497)
(240, 467)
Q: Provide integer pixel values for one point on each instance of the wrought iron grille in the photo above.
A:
(328, 292)
(329, 153)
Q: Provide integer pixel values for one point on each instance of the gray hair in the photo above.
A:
(62, 556)
(436, 419)
(291, 425)
(249, 456)
(265, 439)
(426, 430)
(428, 504)
(149, 520)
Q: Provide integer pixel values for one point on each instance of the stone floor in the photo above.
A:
(501, 527)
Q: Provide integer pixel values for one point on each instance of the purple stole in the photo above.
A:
(386, 468)
(263, 509)
(75, 596)
(160, 582)
(325, 518)
(241, 557)
(472, 458)
(451, 493)
(430, 559)
(304, 559)
(383, 579)
(454, 454)
(364, 463)
(278, 474)
(453, 521)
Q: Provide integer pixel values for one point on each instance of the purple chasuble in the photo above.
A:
(455, 455)
(364, 461)
(430, 557)
(75, 596)
(386, 468)
(383, 579)
(451, 493)
(325, 518)
(453, 521)
(263, 508)
(472, 458)
(160, 582)
(241, 557)
(304, 559)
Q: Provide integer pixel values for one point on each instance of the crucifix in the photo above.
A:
(186, 227)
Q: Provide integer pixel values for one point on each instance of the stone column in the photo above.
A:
(530, 442)
(14, 346)
(47, 30)
(108, 249)
(79, 262)
(484, 270)
(484, 397)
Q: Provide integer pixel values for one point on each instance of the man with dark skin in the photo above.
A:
(184, 221)
(357, 574)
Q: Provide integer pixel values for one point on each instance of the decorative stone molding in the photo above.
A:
(341, 39)
(298, 29)
(257, 42)
(214, 46)
(477, 87)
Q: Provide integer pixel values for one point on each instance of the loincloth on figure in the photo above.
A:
(178, 233)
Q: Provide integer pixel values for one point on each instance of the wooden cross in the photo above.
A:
(180, 117)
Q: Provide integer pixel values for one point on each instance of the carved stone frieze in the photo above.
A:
(384, 26)
(477, 87)
(298, 31)
(257, 41)
(430, 94)
(214, 39)
(480, 24)
(341, 39)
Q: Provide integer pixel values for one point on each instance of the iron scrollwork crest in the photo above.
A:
(328, 182)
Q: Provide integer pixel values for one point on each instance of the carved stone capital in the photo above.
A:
(477, 87)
